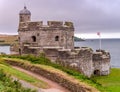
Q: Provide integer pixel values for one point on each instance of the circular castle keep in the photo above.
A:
(56, 40)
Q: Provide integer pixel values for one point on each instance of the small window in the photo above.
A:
(21, 18)
(33, 38)
(18, 38)
(38, 34)
(57, 38)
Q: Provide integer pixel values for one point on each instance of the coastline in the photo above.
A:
(5, 44)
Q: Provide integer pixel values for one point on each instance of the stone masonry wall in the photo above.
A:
(101, 62)
(45, 36)
(79, 59)
(83, 60)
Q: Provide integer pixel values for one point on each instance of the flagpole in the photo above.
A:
(100, 45)
(100, 41)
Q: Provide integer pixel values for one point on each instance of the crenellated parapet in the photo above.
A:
(50, 24)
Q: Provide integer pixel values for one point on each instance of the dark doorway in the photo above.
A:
(97, 72)
(33, 38)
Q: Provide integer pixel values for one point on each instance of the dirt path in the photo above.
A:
(54, 87)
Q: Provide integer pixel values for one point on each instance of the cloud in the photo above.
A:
(89, 16)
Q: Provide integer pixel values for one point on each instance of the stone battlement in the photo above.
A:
(100, 54)
(38, 24)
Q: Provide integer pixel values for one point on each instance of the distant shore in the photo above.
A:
(7, 40)
(5, 44)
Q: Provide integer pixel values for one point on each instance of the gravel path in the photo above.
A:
(54, 87)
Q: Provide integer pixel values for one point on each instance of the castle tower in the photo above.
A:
(24, 15)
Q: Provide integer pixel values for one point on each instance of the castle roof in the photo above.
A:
(25, 11)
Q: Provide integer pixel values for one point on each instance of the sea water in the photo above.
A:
(5, 49)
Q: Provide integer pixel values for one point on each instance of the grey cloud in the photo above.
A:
(87, 15)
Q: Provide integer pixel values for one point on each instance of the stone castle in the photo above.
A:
(56, 40)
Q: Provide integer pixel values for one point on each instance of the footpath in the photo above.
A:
(53, 87)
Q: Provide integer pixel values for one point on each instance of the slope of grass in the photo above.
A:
(8, 85)
(44, 61)
(23, 76)
(110, 82)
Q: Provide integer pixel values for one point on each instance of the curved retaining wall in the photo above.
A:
(69, 84)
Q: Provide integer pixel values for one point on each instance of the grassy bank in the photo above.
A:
(8, 85)
(22, 76)
(110, 82)
(44, 61)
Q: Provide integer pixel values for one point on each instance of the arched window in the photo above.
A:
(57, 38)
(33, 38)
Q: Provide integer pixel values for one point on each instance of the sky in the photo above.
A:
(88, 16)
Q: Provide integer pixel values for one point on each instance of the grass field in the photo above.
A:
(110, 82)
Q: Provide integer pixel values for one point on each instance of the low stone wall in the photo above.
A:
(71, 85)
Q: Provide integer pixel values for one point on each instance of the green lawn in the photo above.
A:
(23, 76)
(110, 82)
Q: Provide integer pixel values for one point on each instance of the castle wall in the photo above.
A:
(83, 60)
(80, 59)
(46, 36)
(101, 63)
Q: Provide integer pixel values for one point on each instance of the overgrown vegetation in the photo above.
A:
(45, 61)
(7, 84)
